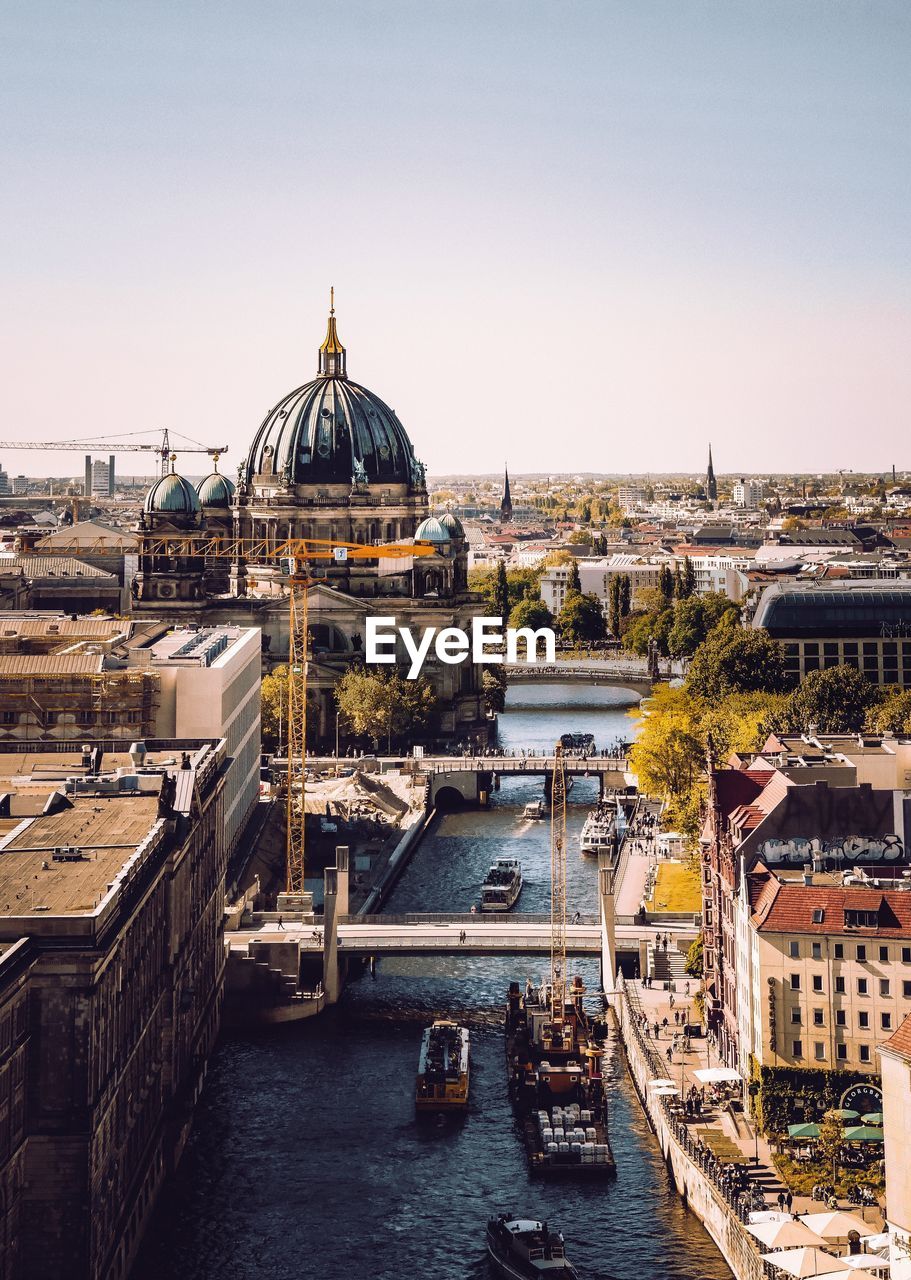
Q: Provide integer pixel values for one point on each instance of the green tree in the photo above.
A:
(648, 626)
(693, 963)
(574, 582)
(581, 618)
(688, 578)
(530, 613)
(383, 705)
(501, 592)
(274, 690)
(893, 714)
(626, 595)
(666, 582)
(836, 700)
(585, 515)
(829, 1142)
(493, 688)
(736, 660)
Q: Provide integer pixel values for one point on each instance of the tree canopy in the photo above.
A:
(835, 700)
(581, 618)
(531, 613)
(382, 705)
(733, 659)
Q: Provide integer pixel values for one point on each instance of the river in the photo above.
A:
(306, 1160)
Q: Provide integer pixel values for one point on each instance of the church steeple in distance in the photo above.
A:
(506, 504)
(332, 355)
(711, 484)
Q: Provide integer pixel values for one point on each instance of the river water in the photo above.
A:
(306, 1159)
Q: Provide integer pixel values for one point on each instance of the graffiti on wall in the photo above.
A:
(835, 852)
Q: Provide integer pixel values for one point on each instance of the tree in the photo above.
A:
(530, 613)
(626, 594)
(693, 963)
(581, 618)
(836, 700)
(501, 592)
(688, 578)
(274, 712)
(893, 714)
(381, 705)
(493, 688)
(666, 582)
(831, 1136)
(735, 660)
(585, 514)
(575, 582)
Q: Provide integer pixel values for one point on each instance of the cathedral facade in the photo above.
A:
(330, 461)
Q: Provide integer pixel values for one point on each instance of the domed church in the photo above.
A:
(331, 461)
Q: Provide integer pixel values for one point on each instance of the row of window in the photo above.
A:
(863, 985)
(838, 948)
(864, 1051)
(841, 1019)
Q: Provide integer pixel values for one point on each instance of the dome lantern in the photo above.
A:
(332, 355)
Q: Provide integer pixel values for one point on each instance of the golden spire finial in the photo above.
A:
(332, 300)
(332, 353)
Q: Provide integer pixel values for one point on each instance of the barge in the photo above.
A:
(443, 1069)
(500, 891)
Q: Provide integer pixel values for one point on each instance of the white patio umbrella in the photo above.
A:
(870, 1260)
(656, 1084)
(666, 1090)
(717, 1075)
(835, 1225)
(769, 1215)
(787, 1234)
(859, 1273)
(804, 1262)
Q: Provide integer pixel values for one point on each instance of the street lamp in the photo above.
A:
(338, 716)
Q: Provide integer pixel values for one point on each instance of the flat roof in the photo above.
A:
(106, 830)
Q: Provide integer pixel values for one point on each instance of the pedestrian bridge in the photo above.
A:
(513, 934)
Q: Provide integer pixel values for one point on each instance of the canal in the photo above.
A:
(306, 1160)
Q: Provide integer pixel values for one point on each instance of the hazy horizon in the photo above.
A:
(597, 234)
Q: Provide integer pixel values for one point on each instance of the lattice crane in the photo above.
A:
(558, 888)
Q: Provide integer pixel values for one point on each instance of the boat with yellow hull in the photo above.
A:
(444, 1068)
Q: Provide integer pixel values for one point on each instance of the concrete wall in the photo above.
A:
(695, 1186)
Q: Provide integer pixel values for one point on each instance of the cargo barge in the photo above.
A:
(554, 1052)
(443, 1069)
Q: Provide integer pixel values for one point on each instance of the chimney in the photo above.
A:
(808, 874)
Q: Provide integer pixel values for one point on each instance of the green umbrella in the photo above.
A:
(873, 1117)
(803, 1130)
(863, 1133)
(845, 1113)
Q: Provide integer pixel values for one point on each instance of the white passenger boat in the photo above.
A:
(501, 889)
(534, 810)
(524, 1249)
(600, 834)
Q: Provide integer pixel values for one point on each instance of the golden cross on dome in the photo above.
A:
(332, 300)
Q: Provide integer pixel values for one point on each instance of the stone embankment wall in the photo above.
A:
(694, 1182)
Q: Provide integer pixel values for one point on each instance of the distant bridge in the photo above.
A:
(626, 673)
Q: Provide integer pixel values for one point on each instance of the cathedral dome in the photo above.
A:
(215, 491)
(172, 495)
(332, 431)
(431, 530)
(453, 525)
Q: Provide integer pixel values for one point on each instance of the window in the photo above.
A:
(817, 982)
(10, 717)
(798, 1049)
(817, 948)
(885, 1021)
(841, 1018)
(884, 987)
(796, 1015)
(861, 951)
(863, 1021)
(884, 954)
(841, 1052)
(795, 981)
(906, 990)
(906, 955)
(817, 1018)
(819, 1050)
(861, 986)
(794, 950)
(864, 1052)
(839, 986)
(840, 950)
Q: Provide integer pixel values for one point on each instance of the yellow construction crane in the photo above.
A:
(558, 888)
(298, 553)
(166, 450)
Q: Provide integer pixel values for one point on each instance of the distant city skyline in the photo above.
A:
(595, 234)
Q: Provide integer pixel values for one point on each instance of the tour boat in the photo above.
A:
(602, 831)
(443, 1068)
(534, 809)
(501, 889)
(524, 1249)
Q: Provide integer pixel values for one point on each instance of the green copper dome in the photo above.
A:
(431, 530)
(172, 495)
(215, 491)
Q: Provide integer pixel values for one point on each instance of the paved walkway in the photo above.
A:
(656, 1004)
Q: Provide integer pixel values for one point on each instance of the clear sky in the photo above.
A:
(572, 235)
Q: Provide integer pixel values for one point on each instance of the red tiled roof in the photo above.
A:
(788, 908)
(900, 1041)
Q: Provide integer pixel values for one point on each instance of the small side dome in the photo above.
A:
(431, 530)
(172, 495)
(215, 491)
(453, 525)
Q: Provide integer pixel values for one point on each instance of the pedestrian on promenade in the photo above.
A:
(676, 1017)
(657, 1031)
(670, 1053)
(788, 1200)
(280, 924)
(671, 1001)
(462, 936)
(686, 988)
(781, 1201)
(664, 1023)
